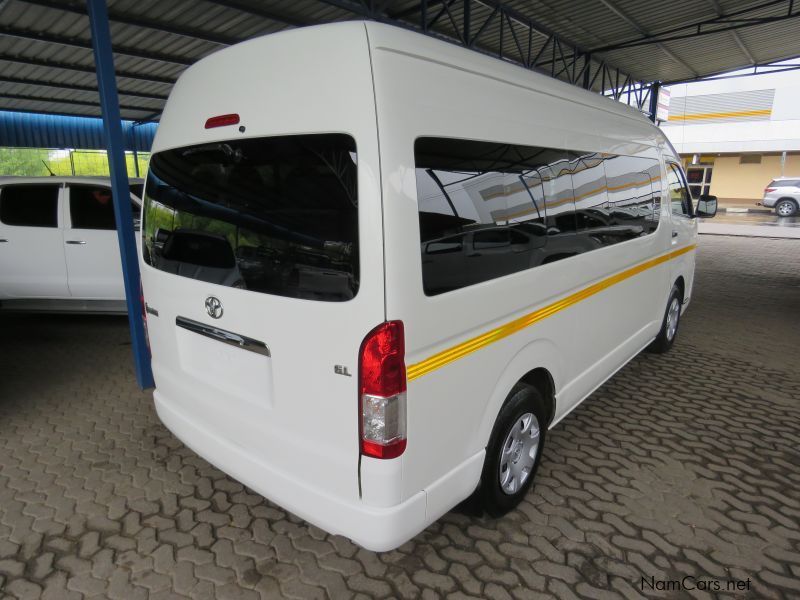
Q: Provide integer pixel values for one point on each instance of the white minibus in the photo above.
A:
(378, 267)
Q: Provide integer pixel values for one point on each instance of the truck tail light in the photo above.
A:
(382, 391)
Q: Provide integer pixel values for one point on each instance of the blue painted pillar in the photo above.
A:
(112, 125)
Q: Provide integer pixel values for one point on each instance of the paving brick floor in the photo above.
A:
(684, 464)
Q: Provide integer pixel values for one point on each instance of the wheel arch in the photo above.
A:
(681, 283)
(536, 364)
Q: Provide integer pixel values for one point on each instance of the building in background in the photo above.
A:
(736, 135)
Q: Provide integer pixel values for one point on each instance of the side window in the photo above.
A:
(29, 205)
(678, 193)
(634, 196)
(92, 207)
(481, 211)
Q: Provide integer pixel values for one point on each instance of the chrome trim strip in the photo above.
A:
(221, 335)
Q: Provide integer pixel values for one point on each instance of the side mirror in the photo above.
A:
(706, 206)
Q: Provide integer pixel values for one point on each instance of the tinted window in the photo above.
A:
(273, 215)
(481, 211)
(137, 189)
(92, 207)
(678, 194)
(488, 209)
(634, 197)
(30, 205)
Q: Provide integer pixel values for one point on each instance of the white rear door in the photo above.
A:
(263, 274)
(31, 247)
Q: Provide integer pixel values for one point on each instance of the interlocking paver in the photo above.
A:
(682, 464)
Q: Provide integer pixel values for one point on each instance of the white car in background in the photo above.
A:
(58, 244)
(783, 195)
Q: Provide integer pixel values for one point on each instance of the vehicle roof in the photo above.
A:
(786, 178)
(397, 38)
(62, 179)
(177, 128)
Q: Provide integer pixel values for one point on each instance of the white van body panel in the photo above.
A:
(286, 425)
(434, 89)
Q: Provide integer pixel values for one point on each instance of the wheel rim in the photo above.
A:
(673, 315)
(785, 209)
(519, 453)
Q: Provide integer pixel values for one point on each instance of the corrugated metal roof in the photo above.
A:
(46, 62)
(57, 131)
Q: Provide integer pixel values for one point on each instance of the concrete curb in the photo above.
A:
(763, 211)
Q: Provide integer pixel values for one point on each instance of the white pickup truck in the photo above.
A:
(58, 244)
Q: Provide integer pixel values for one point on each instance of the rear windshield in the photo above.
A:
(274, 215)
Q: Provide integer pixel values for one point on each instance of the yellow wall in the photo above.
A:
(731, 179)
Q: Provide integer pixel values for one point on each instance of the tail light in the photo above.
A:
(382, 391)
(768, 190)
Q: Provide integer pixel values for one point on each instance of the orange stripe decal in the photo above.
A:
(450, 355)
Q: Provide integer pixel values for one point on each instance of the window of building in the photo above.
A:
(699, 179)
(34, 205)
(750, 159)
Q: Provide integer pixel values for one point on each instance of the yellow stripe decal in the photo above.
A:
(445, 357)
(722, 115)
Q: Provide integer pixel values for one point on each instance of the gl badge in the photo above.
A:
(213, 307)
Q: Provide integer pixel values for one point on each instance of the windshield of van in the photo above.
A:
(275, 215)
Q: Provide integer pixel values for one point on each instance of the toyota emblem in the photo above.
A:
(213, 307)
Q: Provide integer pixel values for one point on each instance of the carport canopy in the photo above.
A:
(617, 47)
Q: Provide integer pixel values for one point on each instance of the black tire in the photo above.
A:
(523, 399)
(664, 340)
(786, 207)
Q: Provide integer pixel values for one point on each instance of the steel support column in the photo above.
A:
(112, 124)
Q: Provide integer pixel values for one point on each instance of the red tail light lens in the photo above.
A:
(222, 121)
(382, 391)
(768, 190)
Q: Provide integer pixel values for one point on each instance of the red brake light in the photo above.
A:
(382, 391)
(768, 190)
(222, 120)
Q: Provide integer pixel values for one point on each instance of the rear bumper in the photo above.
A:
(377, 529)
(768, 202)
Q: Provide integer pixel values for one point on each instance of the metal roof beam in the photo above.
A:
(53, 64)
(264, 13)
(40, 36)
(622, 15)
(734, 34)
(75, 87)
(51, 100)
(769, 67)
(79, 8)
(718, 24)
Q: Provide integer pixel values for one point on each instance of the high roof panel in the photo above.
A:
(46, 62)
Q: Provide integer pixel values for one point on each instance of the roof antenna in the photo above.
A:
(48, 168)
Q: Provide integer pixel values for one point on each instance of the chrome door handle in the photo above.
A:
(1, 241)
(224, 336)
(75, 242)
(674, 233)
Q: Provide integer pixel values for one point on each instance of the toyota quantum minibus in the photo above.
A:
(379, 267)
